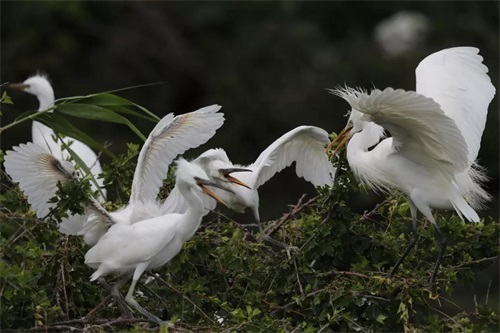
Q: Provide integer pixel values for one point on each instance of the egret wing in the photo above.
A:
(421, 131)
(456, 79)
(170, 137)
(304, 145)
(37, 172)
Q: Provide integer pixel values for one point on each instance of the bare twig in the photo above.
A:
(186, 298)
(295, 209)
(467, 263)
(298, 278)
(487, 293)
(91, 313)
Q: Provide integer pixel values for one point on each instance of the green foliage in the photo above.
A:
(226, 279)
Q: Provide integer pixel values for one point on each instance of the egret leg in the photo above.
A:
(117, 296)
(442, 248)
(133, 303)
(413, 211)
(265, 236)
(426, 211)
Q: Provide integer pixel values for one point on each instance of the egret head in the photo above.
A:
(215, 162)
(356, 121)
(37, 85)
(194, 177)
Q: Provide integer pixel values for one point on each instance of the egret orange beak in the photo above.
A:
(18, 86)
(227, 174)
(343, 137)
(202, 183)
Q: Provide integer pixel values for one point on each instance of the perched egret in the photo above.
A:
(304, 145)
(37, 171)
(44, 136)
(131, 249)
(38, 174)
(436, 135)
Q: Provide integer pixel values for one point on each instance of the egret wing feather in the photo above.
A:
(421, 131)
(171, 137)
(37, 171)
(304, 145)
(457, 79)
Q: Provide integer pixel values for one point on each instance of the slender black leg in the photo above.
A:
(443, 243)
(115, 292)
(414, 240)
(265, 236)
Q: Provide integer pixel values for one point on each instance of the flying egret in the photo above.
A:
(436, 135)
(37, 174)
(131, 249)
(304, 145)
(44, 136)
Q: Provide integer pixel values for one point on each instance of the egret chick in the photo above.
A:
(436, 135)
(304, 145)
(131, 249)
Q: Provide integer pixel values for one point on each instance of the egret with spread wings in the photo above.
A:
(44, 136)
(37, 173)
(304, 145)
(436, 135)
(131, 249)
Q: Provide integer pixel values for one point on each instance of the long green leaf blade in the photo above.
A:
(61, 125)
(95, 112)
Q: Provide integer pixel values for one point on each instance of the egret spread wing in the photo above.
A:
(171, 137)
(37, 172)
(304, 145)
(457, 80)
(420, 129)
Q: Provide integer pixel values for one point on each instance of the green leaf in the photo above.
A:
(107, 99)
(95, 112)
(6, 99)
(83, 166)
(380, 318)
(61, 125)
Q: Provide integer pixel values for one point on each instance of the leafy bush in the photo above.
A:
(227, 280)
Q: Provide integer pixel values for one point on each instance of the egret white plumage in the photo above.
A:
(44, 136)
(37, 174)
(37, 171)
(436, 135)
(131, 249)
(304, 145)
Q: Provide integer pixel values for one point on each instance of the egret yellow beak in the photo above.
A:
(343, 137)
(227, 174)
(18, 86)
(202, 183)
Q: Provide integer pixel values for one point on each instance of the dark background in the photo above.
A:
(266, 63)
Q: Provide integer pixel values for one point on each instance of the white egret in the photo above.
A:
(304, 145)
(436, 135)
(38, 174)
(131, 249)
(44, 136)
